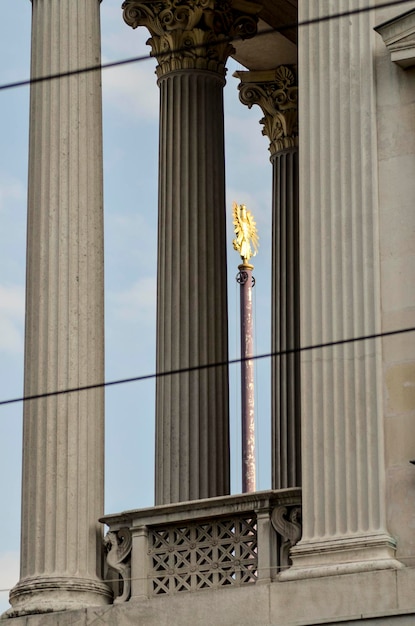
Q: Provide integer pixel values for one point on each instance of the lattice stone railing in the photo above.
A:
(202, 544)
(209, 554)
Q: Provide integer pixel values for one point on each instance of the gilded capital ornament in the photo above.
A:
(192, 34)
(276, 92)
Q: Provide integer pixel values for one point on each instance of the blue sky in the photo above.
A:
(130, 107)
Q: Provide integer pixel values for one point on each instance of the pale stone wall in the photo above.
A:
(344, 520)
(382, 598)
(358, 192)
(395, 97)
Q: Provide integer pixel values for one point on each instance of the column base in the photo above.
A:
(342, 555)
(41, 594)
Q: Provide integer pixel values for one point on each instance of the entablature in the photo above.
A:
(398, 35)
(271, 47)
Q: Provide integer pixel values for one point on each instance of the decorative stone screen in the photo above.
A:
(214, 543)
(203, 555)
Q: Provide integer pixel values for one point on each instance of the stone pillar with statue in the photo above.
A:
(246, 243)
(276, 92)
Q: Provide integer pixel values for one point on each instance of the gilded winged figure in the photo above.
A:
(245, 231)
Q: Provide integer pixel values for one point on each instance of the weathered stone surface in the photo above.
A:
(395, 102)
(236, 540)
(276, 92)
(192, 429)
(376, 598)
(63, 446)
(344, 523)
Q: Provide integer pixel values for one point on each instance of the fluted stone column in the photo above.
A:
(344, 527)
(192, 429)
(275, 91)
(63, 436)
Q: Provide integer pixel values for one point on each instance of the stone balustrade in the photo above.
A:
(203, 544)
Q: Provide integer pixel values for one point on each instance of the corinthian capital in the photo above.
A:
(276, 92)
(192, 34)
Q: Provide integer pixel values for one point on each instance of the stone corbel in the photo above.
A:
(119, 544)
(398, 35)
(276, 92)
(286, 521)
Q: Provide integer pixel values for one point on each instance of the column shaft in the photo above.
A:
(63, 436)
(192, 438)
(276, 92)
(342, 432)
(285, 322)
(191, 44)
(245, 278)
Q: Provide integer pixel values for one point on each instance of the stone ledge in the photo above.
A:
(398, 35)
(193, 509)
(377, 598)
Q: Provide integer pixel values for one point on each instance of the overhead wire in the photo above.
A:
(277, 569)
(205, 366)
(230, 39)
(143, 58)
(282, 28)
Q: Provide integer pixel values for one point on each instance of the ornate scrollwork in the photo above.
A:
(286, 521)
(192, 34)
(119, 546)
(276, 92)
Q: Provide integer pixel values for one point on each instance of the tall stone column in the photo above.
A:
(192, 423)
(344, 524)
(275, 91)
(63, 436)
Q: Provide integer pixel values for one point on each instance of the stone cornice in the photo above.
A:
(398, 35)
(276, 92)
(192, 34)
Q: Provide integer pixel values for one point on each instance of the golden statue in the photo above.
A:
(245, 231)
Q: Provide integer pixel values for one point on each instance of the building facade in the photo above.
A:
(333, 541)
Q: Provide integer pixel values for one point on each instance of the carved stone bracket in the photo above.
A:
(276, 92)
(286, 521)
(119, 546)
(192, 34)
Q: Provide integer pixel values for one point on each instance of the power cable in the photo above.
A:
(160, 55)
(197, 368)
(297, 24)
(275, 568)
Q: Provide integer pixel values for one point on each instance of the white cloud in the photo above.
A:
(244, 133)
(9, 575)
(131, 244)
(11, 190)
(130, 89)
(12, 229)
(136, 303)
(12, 300)
(9, 569)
